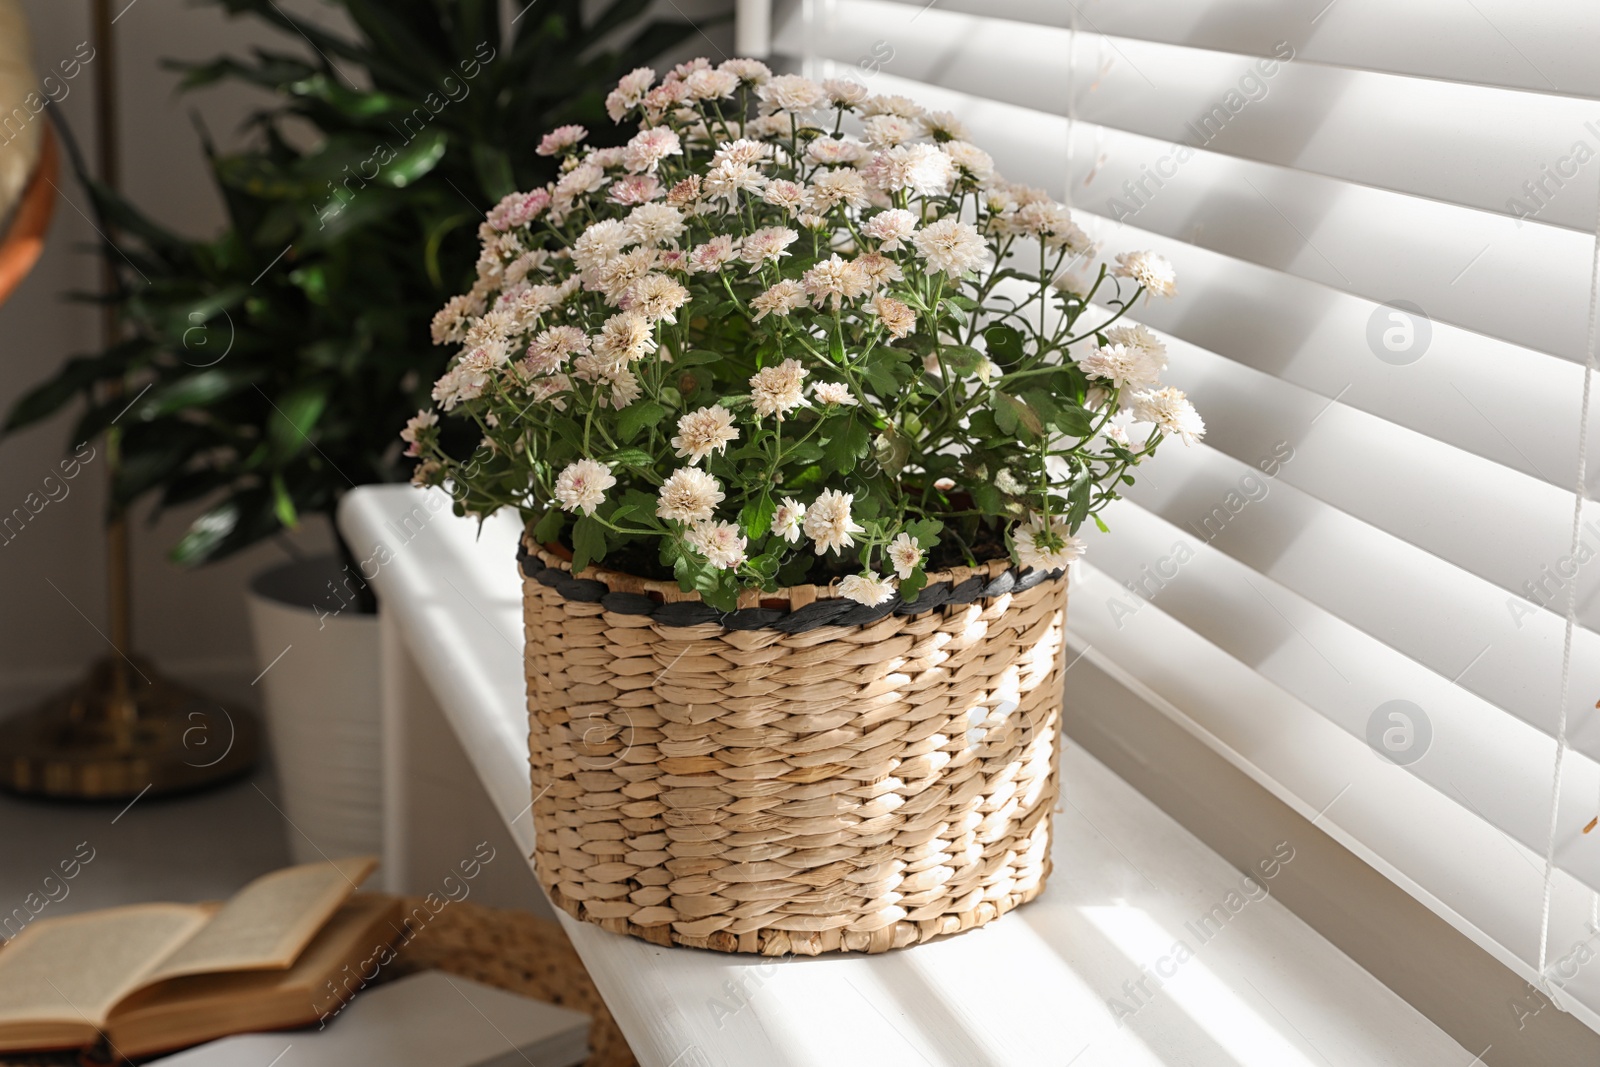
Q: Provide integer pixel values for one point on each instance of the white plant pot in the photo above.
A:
(320, 695)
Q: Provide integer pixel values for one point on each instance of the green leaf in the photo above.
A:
(1073, 420)
(847, 442)
(207, 533)
(630, 457)
(1006, 346)
(961, 358)
(588, 542)
(756, 518)
(1011, 414)
(548, 528)
(283, 504)
(188, 392)
(414, 160)
(637, 416)
(1078, 499)
(294, 416)
(912, 586)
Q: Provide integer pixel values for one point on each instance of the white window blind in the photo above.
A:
(1382, 217)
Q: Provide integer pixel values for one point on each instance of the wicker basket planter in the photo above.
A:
(803, 775)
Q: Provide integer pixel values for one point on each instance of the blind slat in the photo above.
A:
(1465, 144)
(1395, 479)
(1512, 44)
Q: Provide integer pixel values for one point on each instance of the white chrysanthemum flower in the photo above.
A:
(654, 224)
(551, 347)
(416, 430)
(644, 153)
(1136, 336)
(903, 106)
(844, 92)
(631, 189)
(712, 255)
(426, 473)
(944, 126)
(778, 390)
(582, 486)
(920, 169)
(881, 271)
(577, 182)
(971, 160)
(1171, 411)
(1046, 543)
(616, 276)
(625, 388)
(896, 317)
(560, 138)
(866, 588)
(840, 185)
(792, 93)
(905, 555)
(1149, 270)
(604, 240)
(625, 337)
(749, 71)
(450, 324)
(685, 193)
(1122, 365)
(951, 246)
(788, 519)
(836, 279)
(780, 299)
(741, 150)
(656, 297)
(828, 522)
(785, 194)
(886, 131)
(720, 543)
(768, 243)
(711, 84)
(704, 431)
(890, 228)
(834, 151)
(834, 393)
(688, 495)
(492, 329)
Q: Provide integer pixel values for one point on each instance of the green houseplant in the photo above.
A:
(265, 367)
(272, 360)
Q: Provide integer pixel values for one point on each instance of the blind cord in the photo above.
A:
(1580, 494)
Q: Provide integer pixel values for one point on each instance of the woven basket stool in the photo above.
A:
(802, 775)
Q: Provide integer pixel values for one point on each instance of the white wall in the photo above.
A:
(191, 622)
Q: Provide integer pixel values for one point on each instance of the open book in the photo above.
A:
(286, 950)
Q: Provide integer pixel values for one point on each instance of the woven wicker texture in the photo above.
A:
(845, 788)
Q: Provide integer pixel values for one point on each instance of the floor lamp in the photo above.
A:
(124, 730)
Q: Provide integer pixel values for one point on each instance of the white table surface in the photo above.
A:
(1036, 988)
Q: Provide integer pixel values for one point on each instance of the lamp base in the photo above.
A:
(102, 741)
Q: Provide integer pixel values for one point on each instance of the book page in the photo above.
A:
(350, 949)
(270, 921)
(75, 968)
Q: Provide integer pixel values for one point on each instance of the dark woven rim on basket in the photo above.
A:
(837, 611)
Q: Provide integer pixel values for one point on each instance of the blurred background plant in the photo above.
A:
(269, 368)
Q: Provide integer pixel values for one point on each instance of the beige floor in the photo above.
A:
(198, 847)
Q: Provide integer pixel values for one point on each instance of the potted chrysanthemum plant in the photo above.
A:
(803, 406)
